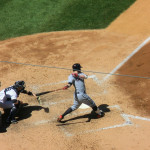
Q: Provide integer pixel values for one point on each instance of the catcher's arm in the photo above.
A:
(32, 94)
(27, 92)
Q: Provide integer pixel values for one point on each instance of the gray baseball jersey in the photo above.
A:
(78, 83)
(80, 95)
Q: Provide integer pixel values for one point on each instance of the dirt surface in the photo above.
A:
(125, 100)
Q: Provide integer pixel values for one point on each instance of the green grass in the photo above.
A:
(25, 17)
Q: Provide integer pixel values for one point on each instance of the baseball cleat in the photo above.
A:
(14, 121)
(60, 118)
(101, 114)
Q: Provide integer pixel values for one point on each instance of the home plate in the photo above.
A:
(83, 106)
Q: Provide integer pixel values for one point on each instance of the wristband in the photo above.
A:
(66, 87)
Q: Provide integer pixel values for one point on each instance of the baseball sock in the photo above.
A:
(69, 110)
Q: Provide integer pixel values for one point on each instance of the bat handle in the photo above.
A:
(58, 89)
(34, 95)
(38, 98)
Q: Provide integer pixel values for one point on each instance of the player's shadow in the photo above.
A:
(90, 116)
(24, 112)
(4, 125)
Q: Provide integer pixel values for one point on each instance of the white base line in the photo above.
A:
(136, 117)
(126, 118)
(126, 59)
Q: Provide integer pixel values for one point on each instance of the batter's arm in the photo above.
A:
(67, 86)
(77, 75)
(83, 76)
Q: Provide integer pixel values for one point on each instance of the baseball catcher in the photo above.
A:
(8, 99)
(77, 80)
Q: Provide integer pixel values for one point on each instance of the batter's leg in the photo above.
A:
(75, 106)
(88, 101)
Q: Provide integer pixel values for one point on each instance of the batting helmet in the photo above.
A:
(76, 67)
(20, 84)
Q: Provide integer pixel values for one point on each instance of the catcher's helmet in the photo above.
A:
(76, 67)
(19, 84)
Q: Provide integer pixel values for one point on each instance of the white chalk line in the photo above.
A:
(55, 118)
(126, 59)
(136, 117)
(126, 118)
(127, 122)
(55, 103)
(105, 128)
(44, 121)
(68, 134)
(35, 88)
(49, 84)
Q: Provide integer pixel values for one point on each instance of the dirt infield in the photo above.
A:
(125, 99)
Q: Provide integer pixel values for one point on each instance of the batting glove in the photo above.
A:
(66, 87)
(75, 75)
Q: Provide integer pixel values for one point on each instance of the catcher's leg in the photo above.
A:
(11, 117)
(13, 112)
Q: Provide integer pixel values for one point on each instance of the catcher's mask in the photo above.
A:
(76, 67)
(20, 85)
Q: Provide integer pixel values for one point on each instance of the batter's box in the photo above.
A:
(81, 123)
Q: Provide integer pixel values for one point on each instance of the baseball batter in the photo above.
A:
(77, 80)
(8, 99)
